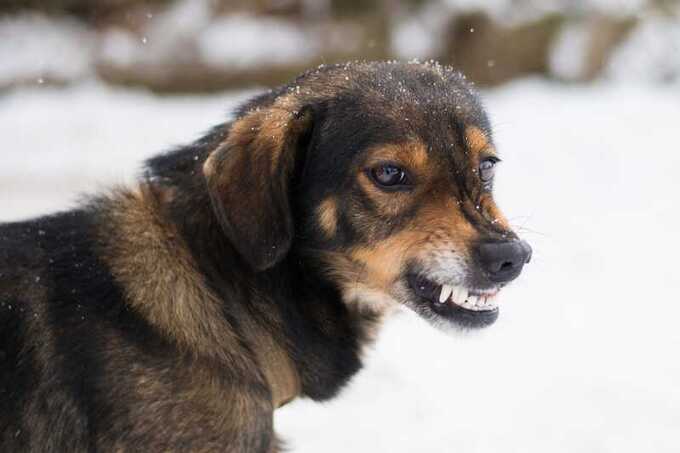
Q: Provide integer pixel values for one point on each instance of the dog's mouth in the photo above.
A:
(468, 307)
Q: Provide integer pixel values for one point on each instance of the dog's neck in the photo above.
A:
(169, 284)
(307, 340)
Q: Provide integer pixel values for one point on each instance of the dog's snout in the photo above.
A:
(503, 261)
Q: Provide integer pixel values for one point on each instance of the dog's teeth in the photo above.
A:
(454, 293)
(446, 292)
(459, 294)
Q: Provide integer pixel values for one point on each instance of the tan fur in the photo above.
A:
(264, 131)
(327, 213)
(476, 140)
(278, 367)
(197, 399)
(279, 370)
(210, 165)
(384, 260)
(163, 284)
(412, 155)
(435, 226)
(492, 213)
(369, 273)
(150, 259)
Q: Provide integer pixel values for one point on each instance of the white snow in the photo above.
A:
(511, 12)
(584, 357)
(34, 48)
(242, 41)
(503, 7)
(411, 38)
(419, 34)
(567, 59)
(651, 53)
(63, 142)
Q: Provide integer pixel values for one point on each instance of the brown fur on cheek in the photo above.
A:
(380, 265)
(437, 229)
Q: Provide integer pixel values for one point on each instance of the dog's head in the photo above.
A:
(384, 173)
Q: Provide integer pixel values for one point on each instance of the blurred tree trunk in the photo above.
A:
(490, 53)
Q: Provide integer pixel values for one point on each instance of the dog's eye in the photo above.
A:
(487, 169)
(388, 175)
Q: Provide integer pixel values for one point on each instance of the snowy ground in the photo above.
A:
(584, 357)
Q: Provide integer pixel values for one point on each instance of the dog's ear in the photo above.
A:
(249, 176)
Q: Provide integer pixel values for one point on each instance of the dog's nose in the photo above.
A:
(503, 261)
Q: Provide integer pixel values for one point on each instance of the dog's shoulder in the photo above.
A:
(105, 309)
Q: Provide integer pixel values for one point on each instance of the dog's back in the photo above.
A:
(83, 370)
(15, 370)
(49, 276)
(34, 256)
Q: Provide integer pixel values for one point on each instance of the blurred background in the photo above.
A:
(584, 97)
(172, 46)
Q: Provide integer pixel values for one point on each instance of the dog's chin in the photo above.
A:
(449, 306)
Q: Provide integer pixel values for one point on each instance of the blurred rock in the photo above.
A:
(583, 48)
(490, 53)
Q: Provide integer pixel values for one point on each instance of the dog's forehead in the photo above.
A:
(395, 103)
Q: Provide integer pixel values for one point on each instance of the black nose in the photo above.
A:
(503, 261)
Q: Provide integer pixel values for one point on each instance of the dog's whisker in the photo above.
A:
(523, 229)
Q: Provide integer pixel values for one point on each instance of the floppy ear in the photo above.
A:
(248, 178)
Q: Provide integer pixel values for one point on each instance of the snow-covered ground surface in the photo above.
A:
(585, 356)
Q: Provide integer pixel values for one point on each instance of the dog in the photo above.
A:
(253, 266)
